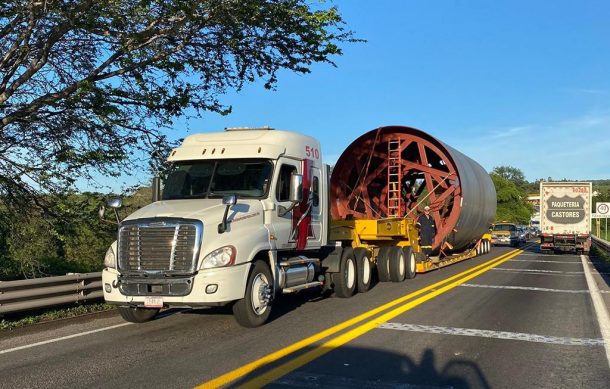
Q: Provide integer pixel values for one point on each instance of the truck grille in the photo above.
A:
(159, 246)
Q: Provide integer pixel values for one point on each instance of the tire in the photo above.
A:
(254, 309)
(345, 280)
(487, 246)
(383, 264)
(398, 264)
(138, 315)
(411, 265)
(364, 269)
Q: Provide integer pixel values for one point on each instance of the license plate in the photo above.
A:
(153, 302)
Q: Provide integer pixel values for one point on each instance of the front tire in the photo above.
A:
(138, 315)
(254, 309)
(364, 268)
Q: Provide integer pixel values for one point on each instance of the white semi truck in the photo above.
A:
(565, 217)
(243, 216)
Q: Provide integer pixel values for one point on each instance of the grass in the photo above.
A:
(55, 314)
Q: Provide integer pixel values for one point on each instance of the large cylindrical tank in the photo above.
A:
(395, 171)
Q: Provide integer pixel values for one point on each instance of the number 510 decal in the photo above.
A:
(312, 152)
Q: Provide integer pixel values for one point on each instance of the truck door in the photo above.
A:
(283, 225)
(314, 239)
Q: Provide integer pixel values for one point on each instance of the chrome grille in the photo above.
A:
(159, 246)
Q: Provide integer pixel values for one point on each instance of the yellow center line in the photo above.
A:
(279, 354)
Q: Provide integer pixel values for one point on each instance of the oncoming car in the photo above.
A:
(505, 234)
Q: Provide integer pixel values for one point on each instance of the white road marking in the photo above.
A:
(543, 261)
(542, 274)
(10, 350)
(493, 334)
(524, 288)
(600, 308)
(537, 271)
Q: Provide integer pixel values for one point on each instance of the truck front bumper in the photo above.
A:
(210, 287)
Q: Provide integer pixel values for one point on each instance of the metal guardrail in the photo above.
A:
(600, 243)
(22, 295)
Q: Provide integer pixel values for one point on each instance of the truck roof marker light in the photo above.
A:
(222, 151)
(204, 150)
(173, 153)
(213, 150)
(259, 149)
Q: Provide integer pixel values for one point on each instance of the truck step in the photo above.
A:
(298, 261)
(301, 287)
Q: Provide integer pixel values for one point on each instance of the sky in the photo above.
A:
(520, 83)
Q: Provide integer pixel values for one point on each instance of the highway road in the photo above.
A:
(508, 319)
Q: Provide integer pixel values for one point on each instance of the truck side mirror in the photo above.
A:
(114, 203)
(228, 200)
(296, 188)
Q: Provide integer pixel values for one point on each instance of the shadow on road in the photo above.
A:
(356, 367)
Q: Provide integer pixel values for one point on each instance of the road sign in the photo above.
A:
(602, 208)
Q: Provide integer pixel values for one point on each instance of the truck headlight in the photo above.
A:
(110, 258)
(224, 256)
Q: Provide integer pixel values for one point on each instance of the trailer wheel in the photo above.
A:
(345, 280)
(398, 265)
(383, 264)
(254, 309)
(364, 269)
(487, 246)
(411, 263)
(138, 315)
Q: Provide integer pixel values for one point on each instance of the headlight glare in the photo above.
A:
(224, 256)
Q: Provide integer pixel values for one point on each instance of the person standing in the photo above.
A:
(427, 230)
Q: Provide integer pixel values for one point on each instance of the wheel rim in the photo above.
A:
(401, 265)
(366, 270)
(412, 263)
(261, 294)
(350, 275)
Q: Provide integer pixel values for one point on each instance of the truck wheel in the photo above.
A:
(411, 264)
(364, 269)
(345, 280)
(254, 309)
(138, 315)
(398, 265)
(487, 246)
(383, 264)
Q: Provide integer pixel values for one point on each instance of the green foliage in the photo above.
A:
(86, 87)
(511, 196)
(71, 238)
(54, 314)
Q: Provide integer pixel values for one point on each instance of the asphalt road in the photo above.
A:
(527, 322)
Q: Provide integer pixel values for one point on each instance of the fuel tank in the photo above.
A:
(395, 171)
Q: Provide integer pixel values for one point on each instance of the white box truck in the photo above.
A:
(565, 217)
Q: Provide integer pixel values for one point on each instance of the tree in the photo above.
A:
(512, 204)
(512, 174)
(86, 86)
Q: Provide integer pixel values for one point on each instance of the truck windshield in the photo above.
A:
(214, 178)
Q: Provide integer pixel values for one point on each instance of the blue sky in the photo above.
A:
(521, 83)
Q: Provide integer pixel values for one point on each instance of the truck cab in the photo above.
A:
(233, 204)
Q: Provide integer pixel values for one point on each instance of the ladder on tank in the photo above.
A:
(394, 178)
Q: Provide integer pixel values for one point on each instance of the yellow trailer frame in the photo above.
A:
(373, 234)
